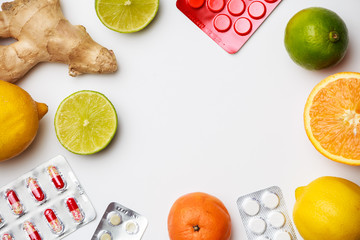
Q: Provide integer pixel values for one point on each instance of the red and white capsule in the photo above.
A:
(7, 236)
(74, 210)
(56, 177)
(35, 189)
(54, 222)
(14, 202)
(30, 229)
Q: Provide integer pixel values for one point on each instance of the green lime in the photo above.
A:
(316, 38)
(85, 122)
(126, 16)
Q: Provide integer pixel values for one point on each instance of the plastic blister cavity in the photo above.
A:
(41, 203)
(35, 189)
(230, 23)
(264, 215)
(119, 222)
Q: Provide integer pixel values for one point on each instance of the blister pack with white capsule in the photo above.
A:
(45, 203)
(264, 215)
(119, 222)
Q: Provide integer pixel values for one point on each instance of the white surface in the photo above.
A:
(191, 116)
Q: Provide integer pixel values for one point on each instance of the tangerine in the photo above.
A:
(199, 216)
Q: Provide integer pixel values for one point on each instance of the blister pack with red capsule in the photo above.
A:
(230, 23)
(45, 203)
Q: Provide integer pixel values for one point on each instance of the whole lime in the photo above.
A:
(316, 38)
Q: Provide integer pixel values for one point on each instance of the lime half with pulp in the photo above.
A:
(85, 122)
(126, 16)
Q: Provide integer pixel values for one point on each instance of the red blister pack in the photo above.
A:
(230, 23)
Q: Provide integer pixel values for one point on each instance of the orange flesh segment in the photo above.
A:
(334, 118)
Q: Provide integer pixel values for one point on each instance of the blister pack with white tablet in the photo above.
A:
(264, 215)
(120, 223)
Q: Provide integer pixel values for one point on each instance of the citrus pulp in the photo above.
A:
(332, 117)
(126, 16)
(85, 122)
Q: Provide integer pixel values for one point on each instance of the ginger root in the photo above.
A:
(44, 35)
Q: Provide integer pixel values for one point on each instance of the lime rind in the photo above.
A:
(310, 38)
(72, 118)
(121, 15)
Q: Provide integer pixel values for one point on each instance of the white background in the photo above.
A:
(191, 116)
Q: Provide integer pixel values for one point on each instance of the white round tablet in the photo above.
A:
(251, 207)
(270, 200)
(131, 227)
(263, 238)
(276, 219)
(105, 236)
(257, 225)
(114, 219)
(281, 235)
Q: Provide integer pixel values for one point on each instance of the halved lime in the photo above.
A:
(126, 16)
(85, 122)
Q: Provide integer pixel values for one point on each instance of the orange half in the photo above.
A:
(332, 117)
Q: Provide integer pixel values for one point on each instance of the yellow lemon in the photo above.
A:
(328, 209)
(19, 119)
